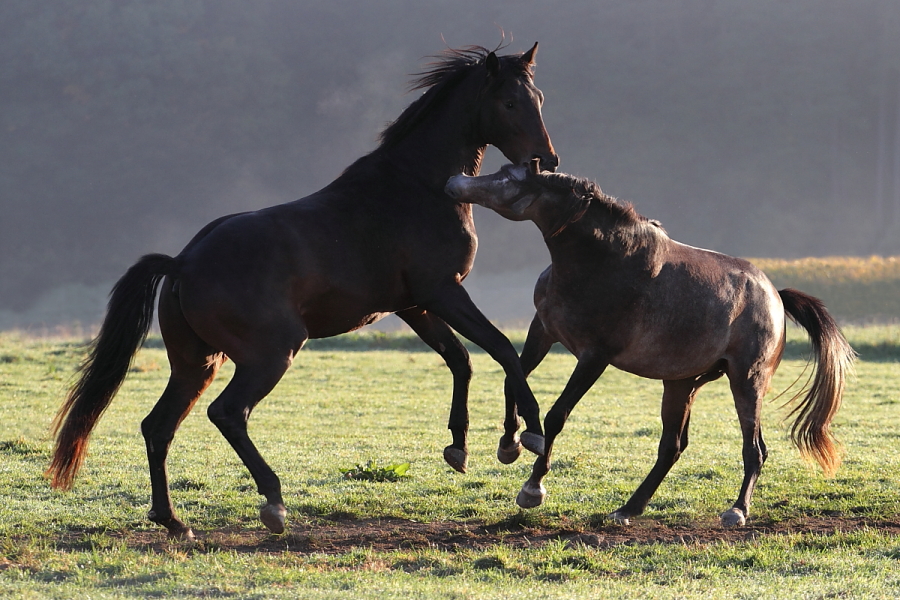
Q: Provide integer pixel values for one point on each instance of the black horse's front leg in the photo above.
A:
(537, 344)
(453, 305)
(438, 335)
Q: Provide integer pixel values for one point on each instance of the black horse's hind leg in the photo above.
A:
(194, 366)
(748, 392)
(586, 373)
(678, 397)
(537, 344)
(186, 384)
(453, 305)
(230, 413)
(441, 339)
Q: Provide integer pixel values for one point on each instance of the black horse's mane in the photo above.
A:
(442, 75)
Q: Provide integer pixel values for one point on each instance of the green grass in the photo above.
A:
(385, 398)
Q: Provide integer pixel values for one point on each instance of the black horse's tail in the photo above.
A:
(834, 357)
(128, 319)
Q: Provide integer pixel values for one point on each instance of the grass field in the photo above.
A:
(437, 533)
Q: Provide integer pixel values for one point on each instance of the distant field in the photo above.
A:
(438, 533)
(854, 289)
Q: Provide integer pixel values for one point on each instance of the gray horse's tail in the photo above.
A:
(811, 431)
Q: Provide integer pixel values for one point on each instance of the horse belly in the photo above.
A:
(331, 323)
(653, 363)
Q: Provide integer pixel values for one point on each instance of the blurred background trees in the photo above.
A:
(767, 128)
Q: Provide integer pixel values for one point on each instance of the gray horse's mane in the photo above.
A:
(587, 189)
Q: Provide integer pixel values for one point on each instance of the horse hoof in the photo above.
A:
(183, 534)
(508, 454)
(531, 496)
(733, 517)
(619, 518)
(456, 458)
(272, 516)
(533, 442)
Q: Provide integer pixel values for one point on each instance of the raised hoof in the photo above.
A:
(531, 496)
(619, 518)
(533, 442)
(509, 454)
(456, 458)
(272, 516)
(733, 517)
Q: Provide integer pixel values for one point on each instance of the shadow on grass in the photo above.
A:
(409, 342)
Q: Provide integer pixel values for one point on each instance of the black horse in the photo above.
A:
(620, 292)
(382, 238)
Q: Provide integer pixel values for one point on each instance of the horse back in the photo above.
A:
(671, 312)
(341, 258)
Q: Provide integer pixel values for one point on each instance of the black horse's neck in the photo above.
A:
(443, 139)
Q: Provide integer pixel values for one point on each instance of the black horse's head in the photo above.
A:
(490, 99)
(510, 111)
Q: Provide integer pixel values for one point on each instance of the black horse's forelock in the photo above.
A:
(442, 74)
(452, 60)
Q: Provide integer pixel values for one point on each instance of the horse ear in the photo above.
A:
(528, 57)
(492, 63)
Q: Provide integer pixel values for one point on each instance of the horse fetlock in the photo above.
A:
(176, 529)
(531, 495)
(533, 442)
(620, 517)
(733, 517)
(456, 458)
(509, 453)
(273, 516)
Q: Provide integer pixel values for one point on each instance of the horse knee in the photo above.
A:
(670, 450)
(226, 420)
(460, 366)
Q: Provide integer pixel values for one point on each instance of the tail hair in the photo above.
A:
(823, 394)
(128, 319)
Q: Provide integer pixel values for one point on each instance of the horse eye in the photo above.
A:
(509, 104)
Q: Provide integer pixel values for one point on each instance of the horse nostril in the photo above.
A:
(548, 163)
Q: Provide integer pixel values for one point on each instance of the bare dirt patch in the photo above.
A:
(388, 534)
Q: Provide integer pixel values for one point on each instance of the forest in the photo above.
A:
(760, 129)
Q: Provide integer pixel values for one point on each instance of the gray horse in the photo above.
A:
(620, 292)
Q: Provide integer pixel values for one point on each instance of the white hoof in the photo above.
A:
(531, 495)
(533, 443)
(733, 517)
(272, 516)
(456, 458)
(509, 454)
(619, 518)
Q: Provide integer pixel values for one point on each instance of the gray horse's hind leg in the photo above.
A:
(748, 392)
